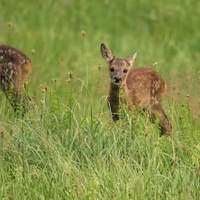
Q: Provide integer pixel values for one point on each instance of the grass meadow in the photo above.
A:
(70, 148)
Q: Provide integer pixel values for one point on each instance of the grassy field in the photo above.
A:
(70, 148)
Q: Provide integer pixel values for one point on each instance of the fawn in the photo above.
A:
(15, 68)
(141, 87)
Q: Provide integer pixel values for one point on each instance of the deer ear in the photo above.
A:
(106, 53)
(131, 59)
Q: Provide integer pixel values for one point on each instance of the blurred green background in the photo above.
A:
(162, 32)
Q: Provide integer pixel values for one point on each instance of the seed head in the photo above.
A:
(67, 173)
(69, 80)
(1, 133)
(180, 191)
(175, 160)
(155, 63)
(33, 175)
(32, 51)
(175, 87)
(112, 161)
(83, 33)
(9, 24)
(156, 144)
(22, 129)
(198, 170)
(19, 144)
(6, 149)
(70, 74)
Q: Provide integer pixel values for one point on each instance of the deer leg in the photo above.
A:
(165, 125)
(115, 117)
(113, 105)
(16, 99)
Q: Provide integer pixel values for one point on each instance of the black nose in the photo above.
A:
(117, 80)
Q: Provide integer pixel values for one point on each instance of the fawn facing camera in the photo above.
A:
(15, 68)
(142, 87)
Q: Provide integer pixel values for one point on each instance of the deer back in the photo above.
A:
(145, 87)
(15, 67)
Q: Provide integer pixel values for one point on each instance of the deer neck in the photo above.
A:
(114, 92)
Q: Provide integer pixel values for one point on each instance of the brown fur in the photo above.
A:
(141, 87)
(15, 68)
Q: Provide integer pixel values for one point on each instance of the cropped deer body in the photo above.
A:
(141, 87)
(15, 68)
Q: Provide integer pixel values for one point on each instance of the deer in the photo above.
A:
(141, 88)
(15, 68)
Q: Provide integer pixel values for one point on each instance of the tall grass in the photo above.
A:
(71, 154)
(70, 148)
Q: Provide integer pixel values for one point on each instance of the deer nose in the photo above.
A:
(117, 80)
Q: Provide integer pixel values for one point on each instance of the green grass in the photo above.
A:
(70, 148)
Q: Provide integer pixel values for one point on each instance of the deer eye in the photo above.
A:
(125, 70)
(112, 69)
